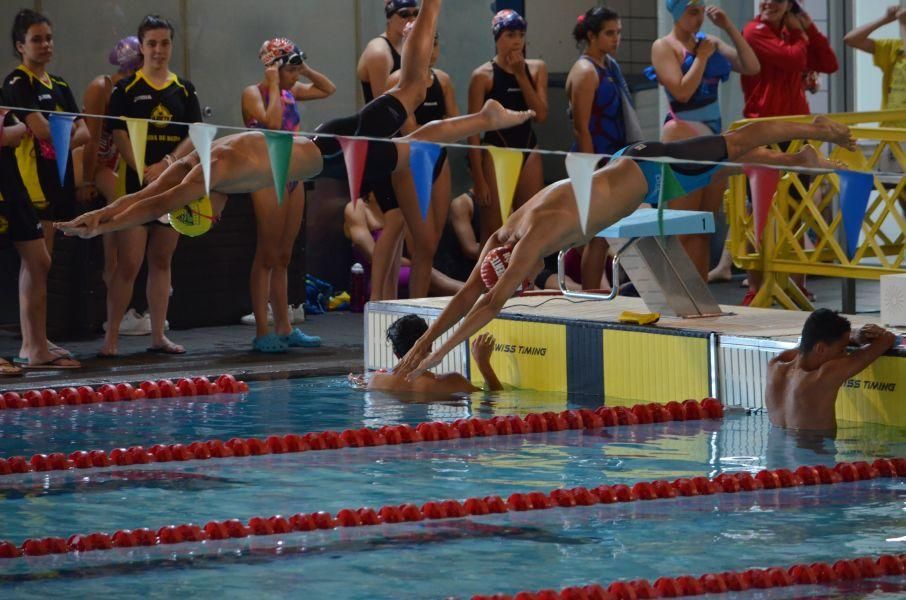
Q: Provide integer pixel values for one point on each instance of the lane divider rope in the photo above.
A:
(726, 483)
(122, 392)
(604, 416)
(816, 573)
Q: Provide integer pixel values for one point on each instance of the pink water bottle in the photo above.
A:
(357, 288)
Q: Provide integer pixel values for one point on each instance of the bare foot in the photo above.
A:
(720, 275)
(837, 133)
(501, 118)
(812, 159)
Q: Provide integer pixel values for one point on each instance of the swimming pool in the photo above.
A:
(456, 557)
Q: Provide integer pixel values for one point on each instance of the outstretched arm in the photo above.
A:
(522, 262)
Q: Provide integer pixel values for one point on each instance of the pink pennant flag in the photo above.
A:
(763, 182)
(355, 153)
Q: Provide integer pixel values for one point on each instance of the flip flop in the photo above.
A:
(7, 369)
(21, 362)
(170, 349)
(52, 365)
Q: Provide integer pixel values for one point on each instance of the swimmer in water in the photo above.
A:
(803, 382)
(403, 334)
(549, 222)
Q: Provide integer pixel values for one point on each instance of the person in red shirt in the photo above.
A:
(788, 46)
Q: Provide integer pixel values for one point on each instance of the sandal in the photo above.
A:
(8, 369)
(297, 339)
(270, 344)
(60, 362)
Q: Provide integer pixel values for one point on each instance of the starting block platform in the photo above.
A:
(558, 344)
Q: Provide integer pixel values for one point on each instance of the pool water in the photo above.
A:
(457, 557)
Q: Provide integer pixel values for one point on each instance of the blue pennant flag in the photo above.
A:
(422, 159)
(60, 132)
(855, 189)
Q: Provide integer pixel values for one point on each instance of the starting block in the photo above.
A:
(665, 278)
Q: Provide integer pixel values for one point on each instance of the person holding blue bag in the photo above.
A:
(691, 66)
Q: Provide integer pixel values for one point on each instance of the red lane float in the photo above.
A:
(518, 502)
(865, 567)
(122, 392)
(708, 408)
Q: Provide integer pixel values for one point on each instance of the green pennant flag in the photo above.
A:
(670, 188)
(279, 150)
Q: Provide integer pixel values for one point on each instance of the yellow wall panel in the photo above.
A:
(526, 355)
(641, 366)
(876, 394)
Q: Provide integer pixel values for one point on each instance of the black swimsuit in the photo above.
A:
(434, 108)
(505, 89)
(381, 188)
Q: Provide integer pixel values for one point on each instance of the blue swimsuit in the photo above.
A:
(605, 124)
(704, 105)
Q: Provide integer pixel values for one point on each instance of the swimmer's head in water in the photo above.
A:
(678, 7)
(279, 52)
(409, 8)
(507, 20)
(404, 332)
(126, 55)
(824, 326)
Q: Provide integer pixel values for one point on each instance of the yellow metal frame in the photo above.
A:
(783, 250)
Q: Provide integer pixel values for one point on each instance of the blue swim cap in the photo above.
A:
(678, 7)
(391, 7)
(505, 20)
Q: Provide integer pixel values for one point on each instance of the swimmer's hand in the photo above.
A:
(483, 348)
(428, 363)
(412, 359)
(85, 226)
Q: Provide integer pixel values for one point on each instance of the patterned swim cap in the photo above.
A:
(391, 7)
(678, 7)
(507, 19)
(127, 54)
(279, 52)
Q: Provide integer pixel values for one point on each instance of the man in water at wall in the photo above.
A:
(403, 334)
(803, 382)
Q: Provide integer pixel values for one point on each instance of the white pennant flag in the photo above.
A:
(202, 136)
(581, 169)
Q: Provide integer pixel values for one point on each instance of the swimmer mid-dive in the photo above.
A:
(403, 333)
(240, 163)
(549, 222)
(802, 383)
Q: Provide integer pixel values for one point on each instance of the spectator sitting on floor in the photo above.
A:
(403, 333)
(803, 382)
(363, 224)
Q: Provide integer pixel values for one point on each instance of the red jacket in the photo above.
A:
(784, 56)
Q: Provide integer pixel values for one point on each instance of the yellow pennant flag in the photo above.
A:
(507, 166)
(138, 137)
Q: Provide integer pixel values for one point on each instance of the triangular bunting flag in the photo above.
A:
(138, 137)
(763, 183)
(355, 153)
(670, 188)
(422, 159)
(60, 135)
(507, 167)
(202, 137)
(279, 150)
(855, 189)
(581, 169)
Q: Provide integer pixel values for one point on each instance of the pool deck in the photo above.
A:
(209, 351)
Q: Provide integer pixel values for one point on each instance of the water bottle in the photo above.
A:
(357, 288)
